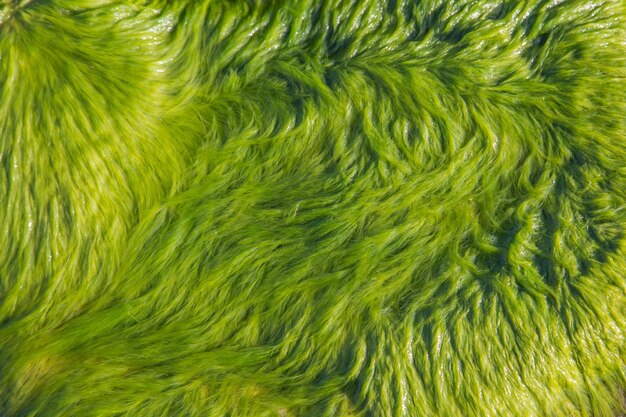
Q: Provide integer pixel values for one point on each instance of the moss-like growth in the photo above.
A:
(312, 208)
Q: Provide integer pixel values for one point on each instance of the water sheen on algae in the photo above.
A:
(312, 208)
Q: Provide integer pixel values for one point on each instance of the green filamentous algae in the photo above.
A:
(312, 208)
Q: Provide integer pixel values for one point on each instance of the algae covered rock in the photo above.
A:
(312, 208)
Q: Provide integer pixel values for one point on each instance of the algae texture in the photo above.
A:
(393, 208)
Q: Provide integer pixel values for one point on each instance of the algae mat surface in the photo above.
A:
(312, 208)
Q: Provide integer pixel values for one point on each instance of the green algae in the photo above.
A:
(312, 208)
